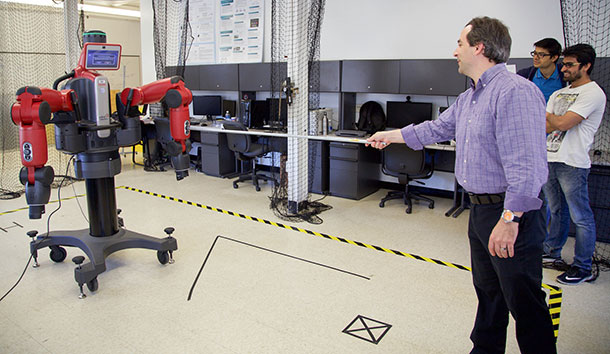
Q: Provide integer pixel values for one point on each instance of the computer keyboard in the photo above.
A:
(350, 133)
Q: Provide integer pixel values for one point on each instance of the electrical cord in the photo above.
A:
(48, 229)
(77, 201)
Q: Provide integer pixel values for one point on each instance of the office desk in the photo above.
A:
(337, 165)
(459, 199)
(329, 137)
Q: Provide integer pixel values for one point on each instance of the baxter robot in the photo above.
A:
(85, 129)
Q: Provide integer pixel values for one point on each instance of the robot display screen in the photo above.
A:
(100, 57)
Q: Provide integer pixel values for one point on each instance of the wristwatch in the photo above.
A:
(509, 216)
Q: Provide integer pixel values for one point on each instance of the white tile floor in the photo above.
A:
(249, 300)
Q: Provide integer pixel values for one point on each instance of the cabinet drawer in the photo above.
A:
(343, 166)
(344, 151)
(210, 138)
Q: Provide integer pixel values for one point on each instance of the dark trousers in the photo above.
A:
(509, 284)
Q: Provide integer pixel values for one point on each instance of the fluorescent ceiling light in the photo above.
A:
(86, 8)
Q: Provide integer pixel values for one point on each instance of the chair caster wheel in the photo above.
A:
(381, 205)
(163, 257)
(431, 206)
(408, 211)
(235, 185)
(258, 189)
(58, 254)
(93, 285)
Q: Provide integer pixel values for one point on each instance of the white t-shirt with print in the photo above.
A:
(572, 146)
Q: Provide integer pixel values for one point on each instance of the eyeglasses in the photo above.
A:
(569, 64)
(539, 54)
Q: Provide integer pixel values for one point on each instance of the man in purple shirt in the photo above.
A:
(499, 127)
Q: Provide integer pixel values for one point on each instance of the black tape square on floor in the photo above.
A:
(367, 329)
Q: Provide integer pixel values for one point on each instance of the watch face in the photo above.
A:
(507, 215)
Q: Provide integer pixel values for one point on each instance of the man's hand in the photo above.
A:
(380, 140)
(502, 239)
(564, 122)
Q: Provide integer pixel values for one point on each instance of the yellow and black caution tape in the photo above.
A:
(52, 201)
(554, 291)
(555, 294)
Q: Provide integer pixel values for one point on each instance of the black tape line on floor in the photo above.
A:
(268, 250)
(554, 291)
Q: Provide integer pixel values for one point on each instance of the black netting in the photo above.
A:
(32, 52)
(307, 210)
(173, 38)
(588, 21)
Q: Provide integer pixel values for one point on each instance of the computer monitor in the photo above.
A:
(259, 114)
(207, 106)
(278, 115)
(401, 114)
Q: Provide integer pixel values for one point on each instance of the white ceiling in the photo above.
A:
(121, 4)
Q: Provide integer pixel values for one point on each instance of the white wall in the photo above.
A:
(402, 29)
(415, 29)
(148, 51)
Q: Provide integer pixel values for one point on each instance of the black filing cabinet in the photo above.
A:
(216, 158)
(318, 166)
(354, 170)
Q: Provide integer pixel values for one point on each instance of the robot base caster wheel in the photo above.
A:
(57, 254)
(163, 257)
(93, 284)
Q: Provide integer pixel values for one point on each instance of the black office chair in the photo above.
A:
(408, 165)
(246, 150)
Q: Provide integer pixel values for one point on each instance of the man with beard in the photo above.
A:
(498, 125)
(573, 115)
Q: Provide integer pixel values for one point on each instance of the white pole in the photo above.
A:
(297, 14)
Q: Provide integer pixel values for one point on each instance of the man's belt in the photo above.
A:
(486, 198)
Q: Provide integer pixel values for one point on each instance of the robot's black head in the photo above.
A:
(94, 36)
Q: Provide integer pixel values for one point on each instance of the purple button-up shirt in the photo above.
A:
(499, 128)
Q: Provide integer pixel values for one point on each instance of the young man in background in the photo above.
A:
(574, 114)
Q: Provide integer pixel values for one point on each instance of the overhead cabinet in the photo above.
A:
(257, 76)
(431, 77)
(190, 76)
(375, 76)
(330, 77)
(520, 63)
(218, 77)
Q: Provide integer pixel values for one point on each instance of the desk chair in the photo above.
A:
(400, 161)
(246, 150)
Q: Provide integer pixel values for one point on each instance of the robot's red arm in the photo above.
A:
(31, 112)
(176, 96)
